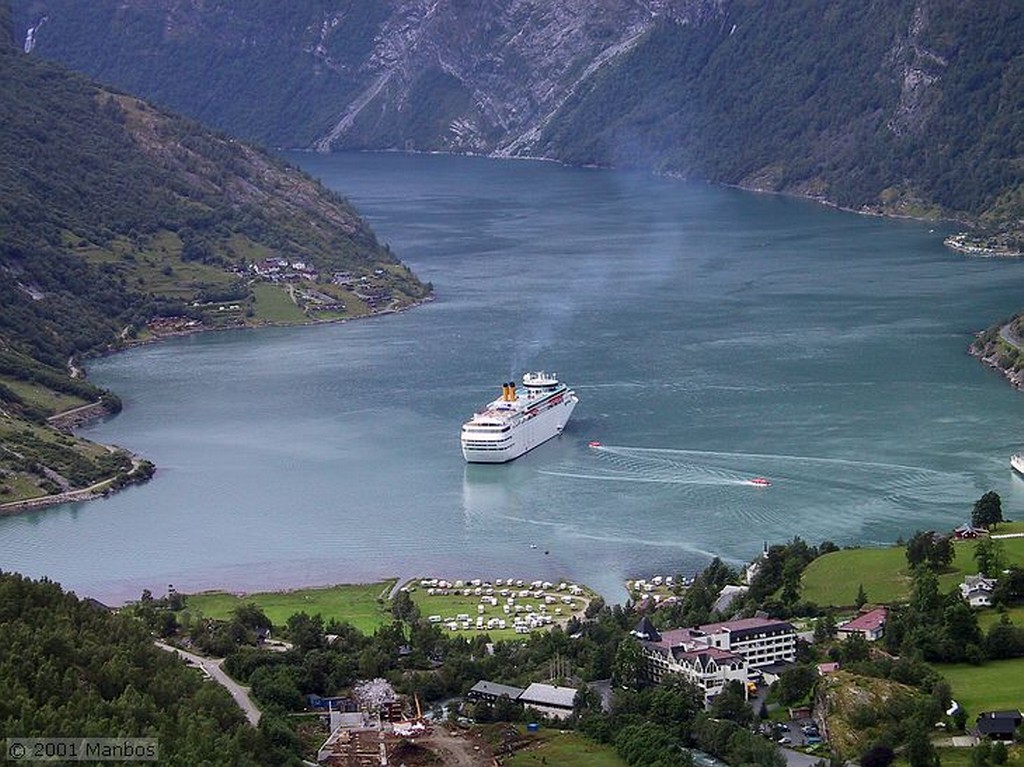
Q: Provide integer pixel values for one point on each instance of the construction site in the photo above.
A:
(385, 734)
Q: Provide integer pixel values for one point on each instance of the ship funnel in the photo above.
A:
(504, 392)
(512, 391)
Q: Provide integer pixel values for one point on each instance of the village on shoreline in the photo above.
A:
(855, 592)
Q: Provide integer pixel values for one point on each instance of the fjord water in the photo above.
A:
(712, 335)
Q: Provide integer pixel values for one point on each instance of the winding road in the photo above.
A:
(213, 668)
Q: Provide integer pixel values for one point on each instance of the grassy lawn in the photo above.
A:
(40, 396)
(833, 579)
(961, 757)
(448, 603)
(1013, 549)
(273, 304)
(183, 281)
(995, 685)
(17, 487)
(355, 305)
(987, 618)
(9, 427)
(565, 749)
(355, 603)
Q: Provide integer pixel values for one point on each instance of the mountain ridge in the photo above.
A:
(906, 108)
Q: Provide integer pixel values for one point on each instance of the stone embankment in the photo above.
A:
(72, 419)
(84, 494)
(140, 472)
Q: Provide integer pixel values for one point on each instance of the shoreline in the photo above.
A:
(497, 155)
(200, 329)
(530, 603)
(989, 355)
(962, 243)
(82, 415)
(97, 490)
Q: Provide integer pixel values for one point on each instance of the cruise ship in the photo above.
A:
(518, 421)
(1017, 463)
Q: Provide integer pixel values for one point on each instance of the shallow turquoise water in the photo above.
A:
(712, 335)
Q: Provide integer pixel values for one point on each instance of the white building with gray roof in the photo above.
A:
(550, 700)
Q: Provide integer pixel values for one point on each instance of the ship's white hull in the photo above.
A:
(1017, 463)
(528, 434)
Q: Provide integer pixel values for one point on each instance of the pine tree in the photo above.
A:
(862, 597)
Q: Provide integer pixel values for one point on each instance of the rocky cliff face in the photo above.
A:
(408, 74)
(513, 63)
(912, 107)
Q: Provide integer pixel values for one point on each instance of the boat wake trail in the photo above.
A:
(787, 481)
(671, 467)
(837, 472)
(661, 454)
(695, 479)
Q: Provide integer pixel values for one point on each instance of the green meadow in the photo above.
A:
(996, 685)
(367, 605)
(42, 397)
(274, 304)
(834, 578)
(354, 603)
(565, 749)
(964, 757)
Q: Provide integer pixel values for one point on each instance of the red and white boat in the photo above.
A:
(760, 482)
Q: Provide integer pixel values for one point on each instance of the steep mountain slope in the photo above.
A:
(416, 74)
(114, 214)
(908, 107)
(113, 209)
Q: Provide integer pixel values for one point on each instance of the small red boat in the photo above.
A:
(593, 443)
(760, 482)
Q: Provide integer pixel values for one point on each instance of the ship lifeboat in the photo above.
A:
(760, 482)
(594, 443)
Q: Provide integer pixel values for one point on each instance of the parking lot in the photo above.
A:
(796, 733)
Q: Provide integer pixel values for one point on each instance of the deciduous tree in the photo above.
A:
(988, 553)
(988, 510)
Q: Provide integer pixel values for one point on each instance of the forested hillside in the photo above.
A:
(119, 222)
(115, 212)
(906, 108)
(72, 669)
(912, 107)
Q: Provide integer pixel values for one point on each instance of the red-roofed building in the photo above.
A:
(870, 625)
(967, 532)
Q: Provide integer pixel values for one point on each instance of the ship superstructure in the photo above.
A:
(518, 421)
